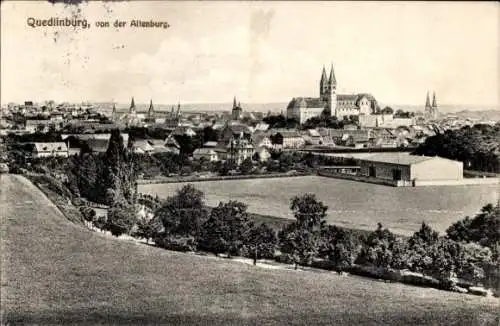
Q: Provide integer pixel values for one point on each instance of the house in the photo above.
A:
(158, 145)
(56, 149)
(313, 137)
(261, 126)
(34, 125)
(235, 146)
(183, 131)
(142, 147)
(206, 153)
(97, 143)
(260, 139)
(288, 139)
(354, 138)
(210, 144)
(326, 136)
(410, 168)
(172, 145)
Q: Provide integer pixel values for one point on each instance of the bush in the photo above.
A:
(176, 243)
(120, 220)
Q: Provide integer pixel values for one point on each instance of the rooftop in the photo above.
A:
(397, 158)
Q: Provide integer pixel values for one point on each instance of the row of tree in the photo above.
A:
(183, 222)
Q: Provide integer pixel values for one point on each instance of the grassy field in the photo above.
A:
(55, 272)
(351, 204)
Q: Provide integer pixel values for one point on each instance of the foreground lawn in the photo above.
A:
(55, 272)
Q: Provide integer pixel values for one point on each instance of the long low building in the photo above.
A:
(410, 168)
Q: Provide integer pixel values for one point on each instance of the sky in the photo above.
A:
(257, 51)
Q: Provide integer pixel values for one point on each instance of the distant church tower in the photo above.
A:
(323, 86)
(332, 93)
(236, 111)
(431, 111)
(151, 111)
(113, 113)
(132, 106)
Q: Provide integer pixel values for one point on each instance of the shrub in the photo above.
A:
(176, 242)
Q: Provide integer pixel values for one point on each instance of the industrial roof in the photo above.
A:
(397, 158)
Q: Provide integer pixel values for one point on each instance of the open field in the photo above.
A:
(55, 272)
(351, 204)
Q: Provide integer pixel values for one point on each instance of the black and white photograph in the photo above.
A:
(249, 163)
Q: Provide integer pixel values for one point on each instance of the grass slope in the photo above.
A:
(55, 272)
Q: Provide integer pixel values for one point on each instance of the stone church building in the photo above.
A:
(338, 105)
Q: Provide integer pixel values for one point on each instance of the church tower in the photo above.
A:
(428, 108)
(435, 111)
(332, 93)
(151, 111)
(323, 86)
(434, 104)
(113, 113)
(132, 106)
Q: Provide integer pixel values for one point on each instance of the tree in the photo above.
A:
(378, 247)
(184, 213)
(121, 219)
(88, 213)
(423, 248)
(387, 110)
(119, 173)
(309, 212)
(227, 166)
(148, 228)
(226, 228)
(483, 229)
(301, 239)
(426, 235)
(340, 246)
(299, 243)
(209, 134)
(246, 166)
(261, 242)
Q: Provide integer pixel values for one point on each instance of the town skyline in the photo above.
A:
(395, 51)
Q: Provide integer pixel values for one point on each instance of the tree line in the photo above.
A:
(469, 249)
(478, 147)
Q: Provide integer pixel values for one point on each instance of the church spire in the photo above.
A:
(178, 109)
(151, 110)
(234, 102)
(434, 103)
(332, 80)
(323, 75)
(113, 113)
(132, 105)
(427, 101)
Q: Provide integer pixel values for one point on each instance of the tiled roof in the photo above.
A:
(306, 102)
(50, 147)
(210, 144)
(98, 145)
(204, 151)
(290, 134)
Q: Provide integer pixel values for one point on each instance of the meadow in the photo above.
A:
(351, 204)
(57, 272)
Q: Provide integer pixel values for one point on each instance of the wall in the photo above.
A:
(463, 182)
(437, 169)
(384, 170)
